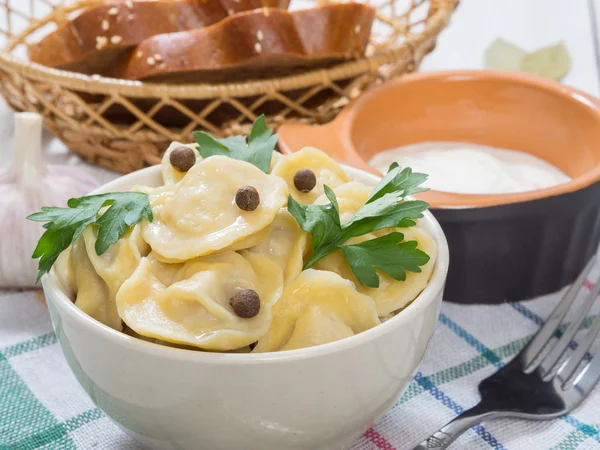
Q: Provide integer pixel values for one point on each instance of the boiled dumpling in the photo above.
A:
(326, 170)
(316, 308)
(64, 274)
(90, 291)
(284, 243)
(128, 331)
(169, 173)
(95, 279)
(350, 196)
(276, 158)
(242, 244)
(165, 272)
(199, 216)
(194, 309)
(391, 295)
(119, 261)
(250, 241)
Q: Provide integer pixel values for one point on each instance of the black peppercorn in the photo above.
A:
(305, 180)
(246, 303)
(182, 158)
(247, 198)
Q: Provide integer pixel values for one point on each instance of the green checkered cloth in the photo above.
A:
(42, 405)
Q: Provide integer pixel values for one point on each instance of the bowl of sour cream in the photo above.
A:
(514, 170)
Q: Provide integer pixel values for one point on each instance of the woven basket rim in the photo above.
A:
(368, 64)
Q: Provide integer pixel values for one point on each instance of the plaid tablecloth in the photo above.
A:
(42, 405)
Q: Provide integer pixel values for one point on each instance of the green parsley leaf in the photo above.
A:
(387, 253)
(401, 181)
(385, 212)
(64, 225)
(321, 221)
(385, 208)
(257, 151)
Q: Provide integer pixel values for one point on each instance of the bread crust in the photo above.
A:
(96, 40)
(254, 44)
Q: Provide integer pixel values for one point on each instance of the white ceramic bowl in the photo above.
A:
(316, 398)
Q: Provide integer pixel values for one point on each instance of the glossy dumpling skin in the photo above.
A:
(276, 158)
(120, 259)
(93, 279)
(194, 308)
(247, 242)
(89, 290)
(169, 173)
(315, 308)
(284, 243)
(326, 170)
(199, 216)
(351, 196)
(391, 295)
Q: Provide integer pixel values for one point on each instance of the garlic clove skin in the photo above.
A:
(26, 185)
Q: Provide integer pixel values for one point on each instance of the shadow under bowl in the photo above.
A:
(503, 247)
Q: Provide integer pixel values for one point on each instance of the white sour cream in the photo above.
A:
(473, 169)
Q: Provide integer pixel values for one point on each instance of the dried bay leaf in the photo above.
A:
(503, 55)
(550, 62)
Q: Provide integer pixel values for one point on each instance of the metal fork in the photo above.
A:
(532, 385)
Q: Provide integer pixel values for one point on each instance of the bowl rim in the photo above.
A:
(450, 200)
(57, 298)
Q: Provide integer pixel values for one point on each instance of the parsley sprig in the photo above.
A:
(386, 207)
(64, 225)
(387, 253)
(257, 151)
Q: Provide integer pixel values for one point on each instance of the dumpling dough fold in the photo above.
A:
(93, 279)
(283, 242)
(316, 308)
(90, 291)
(194, 309)
(325, 169)
(199, 216)
(391, 295)
(119, 261)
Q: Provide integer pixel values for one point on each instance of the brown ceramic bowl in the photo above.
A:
(503, 247)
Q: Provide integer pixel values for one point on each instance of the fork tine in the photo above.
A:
(549, 362)
(543, 336)
(588, 378)
(568, 368)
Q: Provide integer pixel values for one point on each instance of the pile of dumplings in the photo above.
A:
(210, 275)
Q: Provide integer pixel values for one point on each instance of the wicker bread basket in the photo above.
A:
(121, 124)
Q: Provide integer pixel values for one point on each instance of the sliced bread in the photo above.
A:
(253, 44)
(94, 41)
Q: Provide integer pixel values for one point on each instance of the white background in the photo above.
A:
(530, 24)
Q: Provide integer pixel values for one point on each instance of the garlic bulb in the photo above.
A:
(25, 186)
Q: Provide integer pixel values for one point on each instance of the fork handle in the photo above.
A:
(442, 438)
